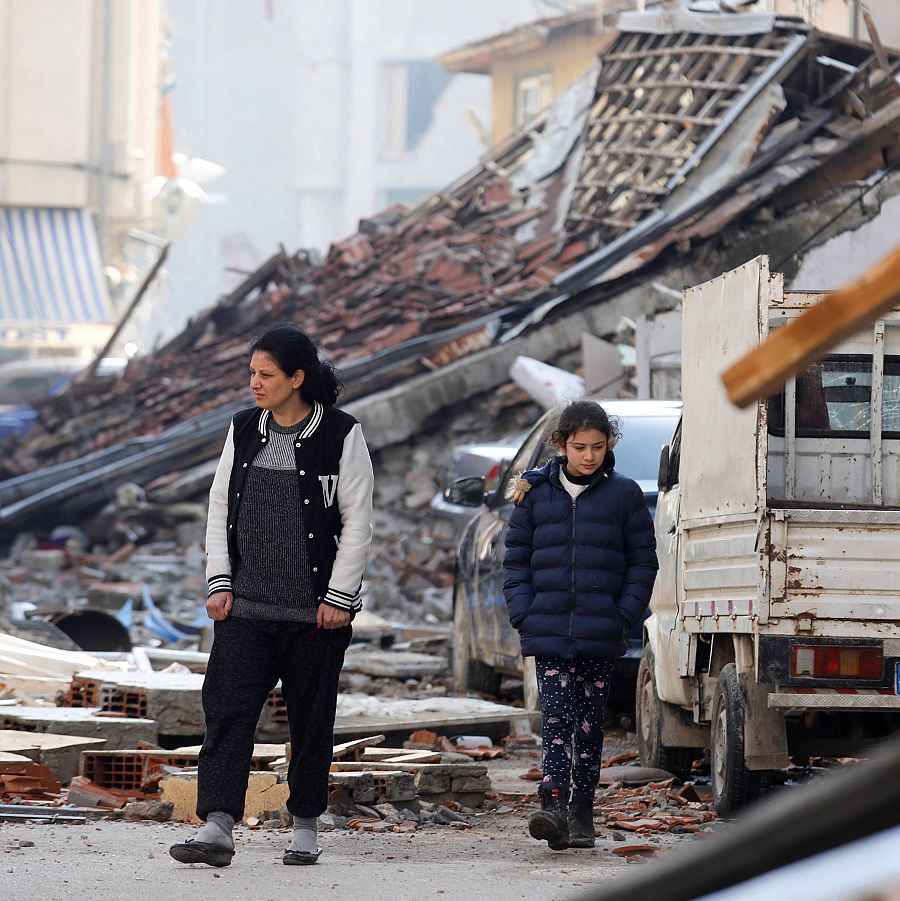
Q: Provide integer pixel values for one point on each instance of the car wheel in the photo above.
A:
(733, 784)
(469, 674)
(678, 761)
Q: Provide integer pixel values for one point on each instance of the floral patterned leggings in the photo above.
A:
(573, 692)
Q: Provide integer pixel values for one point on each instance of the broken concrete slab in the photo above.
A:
(173, 700)
(59, 753)
(365, 715)
(118, 732)
(393, 664)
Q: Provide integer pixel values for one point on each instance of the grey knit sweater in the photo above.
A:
(273, 579)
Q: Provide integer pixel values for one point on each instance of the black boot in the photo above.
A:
(551, 823)
(581, 823)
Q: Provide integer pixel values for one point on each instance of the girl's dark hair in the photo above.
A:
(293, 349)
(585, 414)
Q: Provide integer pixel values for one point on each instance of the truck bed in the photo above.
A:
(835, 564)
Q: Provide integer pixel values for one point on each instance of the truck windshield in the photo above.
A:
(834, 399)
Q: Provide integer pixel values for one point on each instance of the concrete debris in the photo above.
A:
(159, 811)
(116, 731)
(59, 753)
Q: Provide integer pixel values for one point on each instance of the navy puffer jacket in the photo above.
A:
(578, 573)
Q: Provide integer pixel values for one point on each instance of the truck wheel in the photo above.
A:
(678, 761)
(733, 784)
(469, 674)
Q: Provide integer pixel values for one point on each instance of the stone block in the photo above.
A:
(431, 782)
(265, 796)
(464, 784)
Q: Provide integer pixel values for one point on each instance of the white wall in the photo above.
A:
(292, 104)
(53, 131)
(847, 255)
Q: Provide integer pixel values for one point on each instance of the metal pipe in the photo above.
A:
(105, 149)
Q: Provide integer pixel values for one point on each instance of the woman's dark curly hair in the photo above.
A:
(581, 415)
(292, 349)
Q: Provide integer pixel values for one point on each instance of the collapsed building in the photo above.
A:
(698, 141)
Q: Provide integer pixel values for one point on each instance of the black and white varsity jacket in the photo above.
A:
(336, 483)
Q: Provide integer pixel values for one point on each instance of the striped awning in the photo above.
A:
(50, 269)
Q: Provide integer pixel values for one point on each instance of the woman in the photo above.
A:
(287, 537)
(580, 565)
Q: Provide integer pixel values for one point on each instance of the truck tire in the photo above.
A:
(678, 761)
(733, 784)
(469, 674)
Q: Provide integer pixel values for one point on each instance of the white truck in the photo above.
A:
(775, 621)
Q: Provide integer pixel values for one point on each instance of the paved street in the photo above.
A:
(111, 861)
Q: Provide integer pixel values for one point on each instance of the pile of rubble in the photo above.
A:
(370, 783)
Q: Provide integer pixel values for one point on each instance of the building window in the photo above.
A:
(810, 11)
(533, 94)
(411, 92)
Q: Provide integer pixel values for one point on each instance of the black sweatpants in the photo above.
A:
(248, 658)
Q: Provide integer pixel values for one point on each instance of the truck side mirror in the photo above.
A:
(662, 477)
(467, 492)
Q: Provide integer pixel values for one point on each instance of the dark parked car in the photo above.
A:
(483, 458)
(485, 646)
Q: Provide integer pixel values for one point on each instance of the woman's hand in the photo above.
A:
(328, 617)
(218, 605)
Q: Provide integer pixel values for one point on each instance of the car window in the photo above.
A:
(524, 459)
(637, 453)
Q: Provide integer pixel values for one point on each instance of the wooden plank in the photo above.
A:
(357, 725)
(644, 152)
(352, 749)
(361, 766)
(705, 49)
(694, 85)
(673, 118)
(788, 350)
(637, 189)
(880, 53)
(400, 755)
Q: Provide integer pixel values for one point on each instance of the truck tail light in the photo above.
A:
(837, 662)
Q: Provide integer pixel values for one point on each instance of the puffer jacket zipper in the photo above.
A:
(572, 578)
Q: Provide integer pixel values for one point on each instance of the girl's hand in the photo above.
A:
(328, 617)
(218, 605)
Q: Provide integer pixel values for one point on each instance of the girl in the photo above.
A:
(580, 565)
(287, 537)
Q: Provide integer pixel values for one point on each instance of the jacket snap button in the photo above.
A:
(245, 466)
(306, 500)
(303, 472)
(239, 494)
(263, 440)
(315, 569)
(310, 534)
(297, 444)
